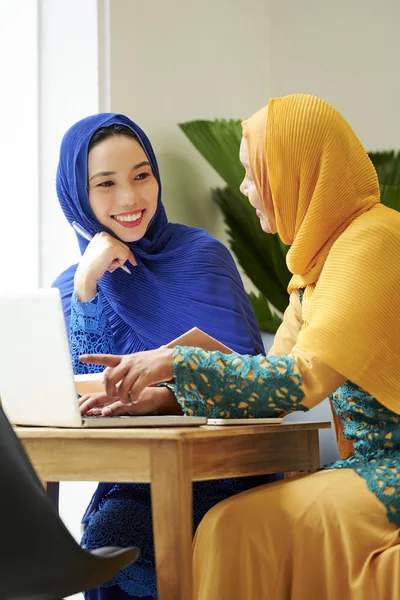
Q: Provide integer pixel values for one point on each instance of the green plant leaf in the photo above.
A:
(390, 196)
(219, 142)
(266, 319)
(261, 256)
(387, 165)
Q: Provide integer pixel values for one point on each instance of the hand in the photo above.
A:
(104, 253)
(126, 376)
(152, 401)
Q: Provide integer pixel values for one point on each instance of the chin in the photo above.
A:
(132, 236)
(127, 235)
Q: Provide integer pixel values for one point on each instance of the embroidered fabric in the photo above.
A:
(234, 386)
(90, 333)
(376, 434)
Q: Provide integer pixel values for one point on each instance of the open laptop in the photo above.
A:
(36, 378)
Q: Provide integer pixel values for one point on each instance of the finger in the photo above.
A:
(114, 266)
(83, 399)
(132, 386)
(94, 412)
(94, 402)
(113, 378)
(116, 409)
(108, 371)
(141, 382)
(108, 360)
(101, 396)
(132, 259)
(128, 392)
(89, 404)
(124, 390)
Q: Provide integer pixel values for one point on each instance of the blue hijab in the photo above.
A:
(184, 278)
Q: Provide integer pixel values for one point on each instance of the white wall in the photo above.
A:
(347, 52)
(180, 60)
(69, 91)
(19, 233)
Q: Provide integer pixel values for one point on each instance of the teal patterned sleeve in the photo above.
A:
(169, 385)
(220, 385)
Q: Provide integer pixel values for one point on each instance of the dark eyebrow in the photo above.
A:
(144, 163)
(102, 174)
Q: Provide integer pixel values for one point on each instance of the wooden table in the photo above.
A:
(170, 459)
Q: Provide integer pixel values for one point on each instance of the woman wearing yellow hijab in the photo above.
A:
(334, 534)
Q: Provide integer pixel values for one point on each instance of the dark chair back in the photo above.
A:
(39, 559)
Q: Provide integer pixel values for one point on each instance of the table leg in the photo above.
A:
(53, 491)
(172, 510)
(313, 449)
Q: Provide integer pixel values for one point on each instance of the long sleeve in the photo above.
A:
(90, 333)
(287, 334)
(234, 386)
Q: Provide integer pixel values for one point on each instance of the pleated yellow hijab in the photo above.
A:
(345, 246)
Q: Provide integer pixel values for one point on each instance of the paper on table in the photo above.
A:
(92, 383)
(200, 339)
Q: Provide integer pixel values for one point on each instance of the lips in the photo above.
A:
(129, 219)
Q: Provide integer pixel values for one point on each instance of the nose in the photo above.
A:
(244, 188)
(128, 196)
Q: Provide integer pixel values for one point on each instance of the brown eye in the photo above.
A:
(142, 176)
(105, 184)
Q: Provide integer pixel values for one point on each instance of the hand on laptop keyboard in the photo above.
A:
(152, 401)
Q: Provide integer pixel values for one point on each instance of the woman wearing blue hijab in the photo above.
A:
(141, 282)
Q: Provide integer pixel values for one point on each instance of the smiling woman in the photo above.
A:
(109, 185)
(123, 190)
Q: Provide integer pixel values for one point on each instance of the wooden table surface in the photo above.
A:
(170, 459)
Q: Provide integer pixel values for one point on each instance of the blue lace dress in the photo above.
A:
(121, 516)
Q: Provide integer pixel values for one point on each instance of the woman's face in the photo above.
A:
(123, 191)
(248, 188)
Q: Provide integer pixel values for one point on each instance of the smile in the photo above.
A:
(129, 219)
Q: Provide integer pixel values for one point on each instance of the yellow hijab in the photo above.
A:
(345, 246)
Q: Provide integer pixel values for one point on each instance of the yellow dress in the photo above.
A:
(319, 537)
(324, 536)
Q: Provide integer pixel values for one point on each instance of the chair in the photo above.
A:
(39, 559)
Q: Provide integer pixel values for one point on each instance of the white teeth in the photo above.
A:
(133, 217)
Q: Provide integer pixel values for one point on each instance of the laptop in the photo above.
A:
(37, 384)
